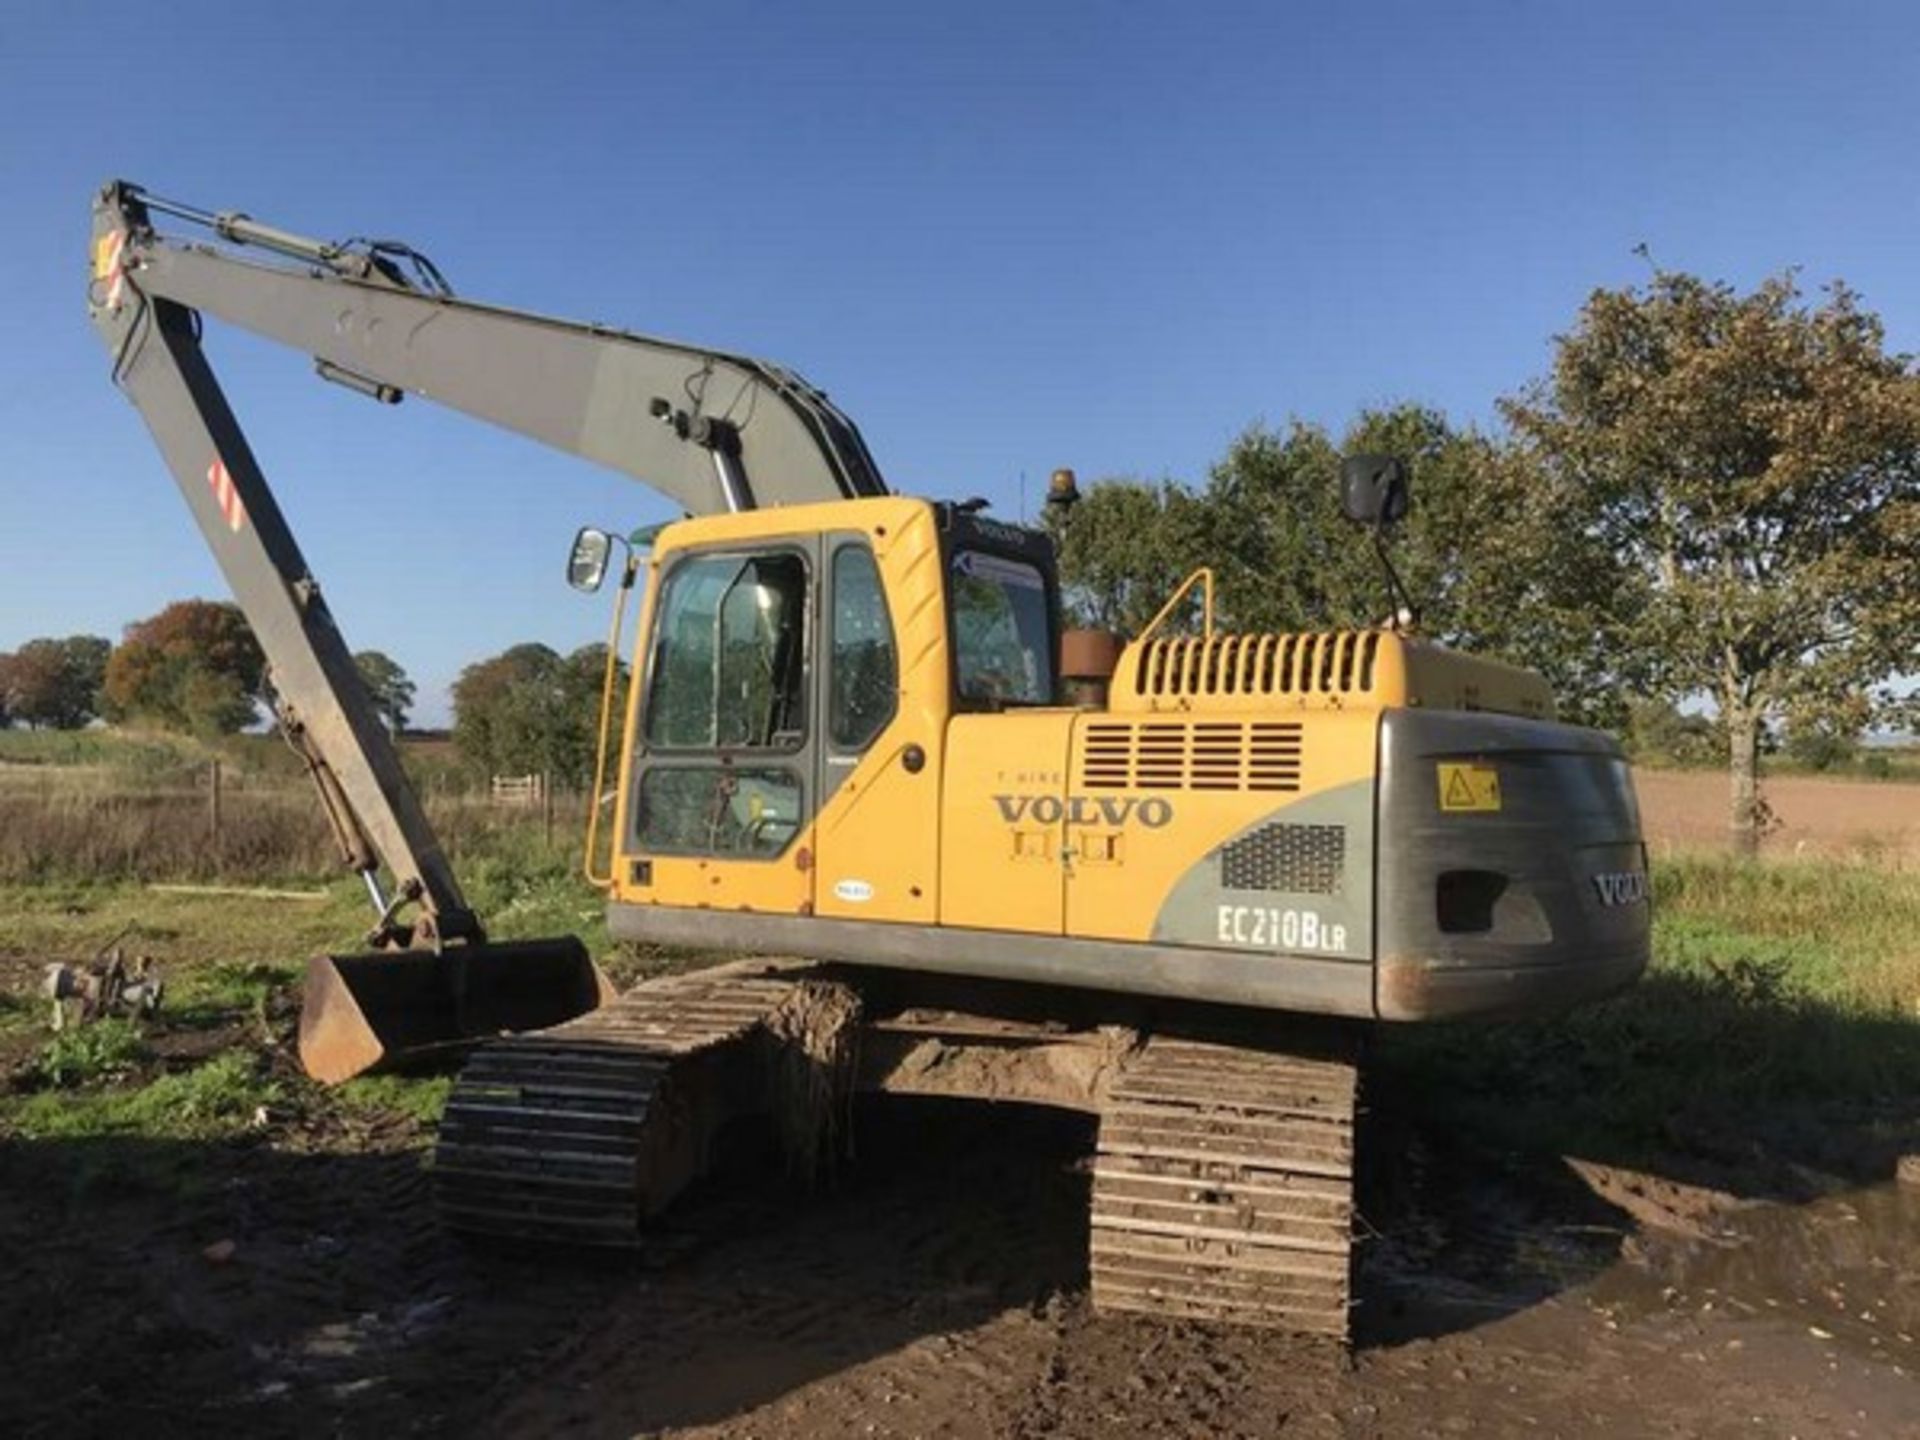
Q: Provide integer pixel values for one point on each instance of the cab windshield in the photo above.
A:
(1003, 645)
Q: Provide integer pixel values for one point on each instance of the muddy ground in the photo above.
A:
(295, 1283)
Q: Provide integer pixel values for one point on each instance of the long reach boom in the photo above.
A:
(711, 431)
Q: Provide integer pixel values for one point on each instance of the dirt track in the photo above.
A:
(937, 1289)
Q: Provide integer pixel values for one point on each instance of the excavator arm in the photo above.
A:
(710, 431)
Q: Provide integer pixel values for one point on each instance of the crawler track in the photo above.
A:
(580, 1133)
(1223, 1187)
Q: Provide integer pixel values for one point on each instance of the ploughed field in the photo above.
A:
(1673, 1214)
(1683, 809)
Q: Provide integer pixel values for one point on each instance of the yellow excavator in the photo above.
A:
(1170, 881)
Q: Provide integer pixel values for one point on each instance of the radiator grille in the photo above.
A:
(1296, 859)
(1335, 663)
(1191, 755)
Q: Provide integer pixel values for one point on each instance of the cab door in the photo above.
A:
(726, 764)
(877, 837)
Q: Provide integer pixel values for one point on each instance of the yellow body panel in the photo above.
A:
(776, 886)
(1078, 822)
(873, 850)
(878, 836)
(1131, 844)
(1332, 670)
(1003, 821)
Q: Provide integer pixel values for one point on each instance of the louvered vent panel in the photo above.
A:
(1160, 756)
(1108, 761)
(1335, 663)
(1191, 755)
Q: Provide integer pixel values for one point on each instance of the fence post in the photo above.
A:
(546, 806)
(213, 806)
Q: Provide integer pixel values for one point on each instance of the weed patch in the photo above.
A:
(420, 1098)
(215, 994)
(213, 1100)
(91, 1054)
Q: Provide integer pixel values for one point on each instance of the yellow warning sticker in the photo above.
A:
(106, 253)
(1469, 787)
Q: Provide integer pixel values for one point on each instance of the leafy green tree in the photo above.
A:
(1659, 731)
(55, 684)
(1125, 548)
(194, 667)
(530, 709)
(1483, 551)
(389, 687)
(1827, 737)
(1753, 460)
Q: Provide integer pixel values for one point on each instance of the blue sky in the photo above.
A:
(1004, 236)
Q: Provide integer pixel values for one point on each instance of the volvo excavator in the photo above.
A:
(1172, 882)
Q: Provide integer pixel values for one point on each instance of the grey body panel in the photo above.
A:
(1307, 986)
(1313, 861)
(1514, 911)
(583, 389)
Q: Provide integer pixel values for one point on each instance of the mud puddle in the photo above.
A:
(1841, 1268)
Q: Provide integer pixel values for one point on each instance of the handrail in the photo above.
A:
(1204, 575)
(607, 684)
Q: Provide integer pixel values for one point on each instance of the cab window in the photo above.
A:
(862, 677)
(1003, 646)
(728, 663)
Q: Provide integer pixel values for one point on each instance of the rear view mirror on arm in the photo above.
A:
(1373, 489)
(587, 562)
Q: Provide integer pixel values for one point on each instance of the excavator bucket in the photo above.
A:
(391, 1008)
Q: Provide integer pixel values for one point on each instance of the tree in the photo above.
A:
(195, 667)
(1481, 550)
(530, 709)
(1754, 463)
(388, 686)
(1125, 547)
(55, 684)
(1659, 731)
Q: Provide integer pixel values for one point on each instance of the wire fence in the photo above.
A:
(217, 822)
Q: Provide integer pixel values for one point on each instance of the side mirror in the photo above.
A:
(587, 562)
(1373, 489)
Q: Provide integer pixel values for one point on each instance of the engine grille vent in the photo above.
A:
(1192, 755)
(1334, 663)
(1296, 859)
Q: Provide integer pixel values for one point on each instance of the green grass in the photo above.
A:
(420, 1098)
(91, 1054)
(71, 920)
(527, 891)
(1775, 987)
(21, 1012)
(128, 753)
(213, 1100)
(227, 990)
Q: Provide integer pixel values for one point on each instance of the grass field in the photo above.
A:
(1791, 982)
